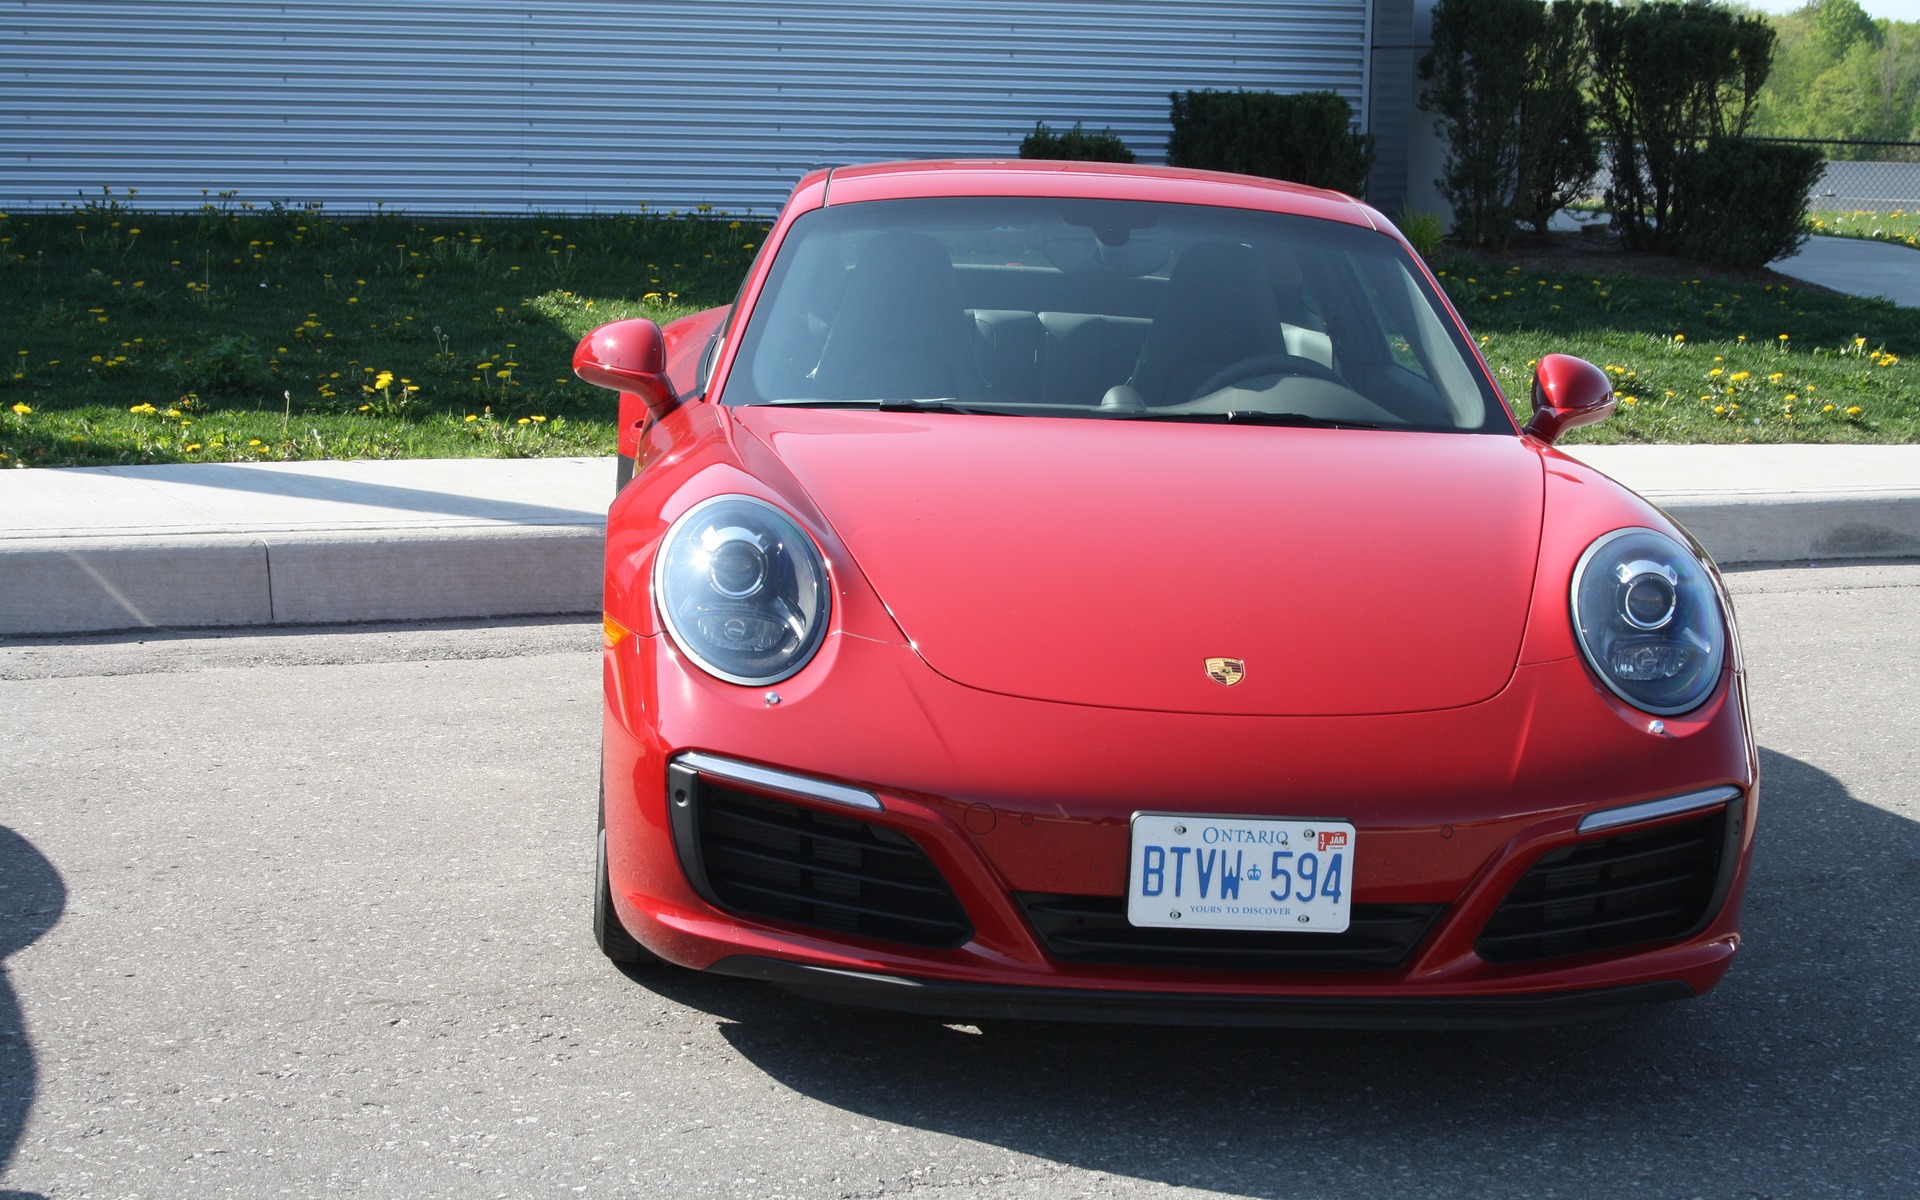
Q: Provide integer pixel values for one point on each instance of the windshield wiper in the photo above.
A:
(933, 404)
(1249, 416)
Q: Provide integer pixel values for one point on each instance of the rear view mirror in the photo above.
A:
(1568, 392)
(628, 357)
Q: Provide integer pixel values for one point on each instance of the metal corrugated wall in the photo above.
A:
(516, 105)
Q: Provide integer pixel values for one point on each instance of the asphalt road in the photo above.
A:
(307, 912)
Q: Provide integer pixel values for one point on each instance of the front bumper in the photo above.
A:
(1009, 800)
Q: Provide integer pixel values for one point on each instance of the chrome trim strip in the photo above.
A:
(1649, 810)
(780, 781)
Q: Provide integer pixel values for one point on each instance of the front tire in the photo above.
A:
(608, 933)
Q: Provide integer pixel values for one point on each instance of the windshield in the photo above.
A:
(1115, 309)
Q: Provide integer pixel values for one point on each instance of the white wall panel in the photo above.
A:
(516, 105)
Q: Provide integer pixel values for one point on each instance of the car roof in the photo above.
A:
(1099, 181)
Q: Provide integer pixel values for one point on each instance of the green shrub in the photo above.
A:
(1750, 201)
(1075, 145)
(1668, 78)
(1559, 156)
(1506, 78)
(1306, 137)
(1424, 229)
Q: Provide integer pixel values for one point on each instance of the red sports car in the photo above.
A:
(1093, 592)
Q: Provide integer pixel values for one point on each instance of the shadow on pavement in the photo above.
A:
(364, 492)
(32, 897)
(1805, 1048)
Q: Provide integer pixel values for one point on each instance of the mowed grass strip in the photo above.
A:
(243, 334)
(246, 334)
(1901, 226)
(1701, 358)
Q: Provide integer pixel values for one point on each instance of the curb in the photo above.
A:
(1755, 529)
(99, 584)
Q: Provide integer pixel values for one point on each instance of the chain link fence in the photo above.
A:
(1864, 176)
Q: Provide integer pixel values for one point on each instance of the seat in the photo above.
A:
(1218, 309)
(900, 331)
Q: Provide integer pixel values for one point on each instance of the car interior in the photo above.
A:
(1047, 318)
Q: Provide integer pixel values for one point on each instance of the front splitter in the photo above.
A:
(976, 1001)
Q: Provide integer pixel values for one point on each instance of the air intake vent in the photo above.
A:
(761, 856)
(1644, 886)
(1094, 929)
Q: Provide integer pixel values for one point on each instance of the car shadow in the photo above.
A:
(357, 491)
(1813, 1010)
(32, 898)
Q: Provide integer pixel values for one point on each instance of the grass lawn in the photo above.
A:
(1697, 355)
(1902, 226)
(247, 334)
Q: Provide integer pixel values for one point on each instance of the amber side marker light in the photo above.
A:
(613, 631)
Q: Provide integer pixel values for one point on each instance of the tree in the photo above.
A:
(1558, 156)
(1504, 77)
(1668, 79)
(1839, 24)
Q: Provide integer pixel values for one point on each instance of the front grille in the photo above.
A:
(1643, 886)
(764, 857)
(1094, 929)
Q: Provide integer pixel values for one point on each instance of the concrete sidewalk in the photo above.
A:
(1858, 267)
(96, 549)
(185, 546)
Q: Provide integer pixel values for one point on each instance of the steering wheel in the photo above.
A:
(1266, 364)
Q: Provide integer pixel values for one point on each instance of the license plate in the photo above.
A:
(1197, 872)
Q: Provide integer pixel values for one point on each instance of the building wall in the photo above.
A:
(1391, 87)
(1426, 149)
(537, 105)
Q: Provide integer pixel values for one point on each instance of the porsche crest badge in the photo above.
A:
(1226, 671)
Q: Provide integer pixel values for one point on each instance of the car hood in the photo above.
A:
(1105, 562)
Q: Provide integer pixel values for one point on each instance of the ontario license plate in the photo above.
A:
(1190, 872)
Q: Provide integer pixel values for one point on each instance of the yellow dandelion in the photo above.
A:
(1738, 376)
(253, 441)
(22, 409)
(471, 417)
(1853, 411)
(523, 421)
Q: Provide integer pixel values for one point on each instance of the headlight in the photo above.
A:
(742, 590)
(1649, 620)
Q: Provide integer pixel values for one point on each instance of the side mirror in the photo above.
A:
(1568, 392)
(628, 357)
